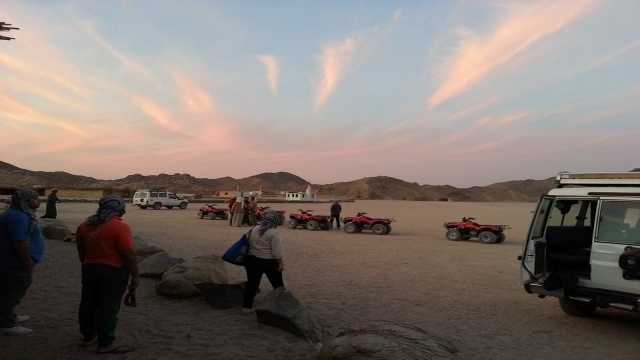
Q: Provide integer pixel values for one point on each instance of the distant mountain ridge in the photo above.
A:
(379, 187)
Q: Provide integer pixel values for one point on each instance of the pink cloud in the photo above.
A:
(477, 57)
(335, 60)
(23, 113)
(193, 96)
(272, 68)
(501, 120)
(156, 113)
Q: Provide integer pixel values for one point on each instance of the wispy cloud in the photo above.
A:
(524, 26)
(502, 120)
(156, 113)
(21, 112)
(272, 67)
(609, 57)
(126, 61)
(334, 62)
(194, 97)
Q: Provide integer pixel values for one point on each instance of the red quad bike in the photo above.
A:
(308, 220)
(261, 211)
(355, 224)
(468, 228)
(213, 213)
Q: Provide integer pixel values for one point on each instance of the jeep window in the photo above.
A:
(541, 217)
(172, 196)
(571, 213)
(162, 194)
(620, 222)
(154, 194)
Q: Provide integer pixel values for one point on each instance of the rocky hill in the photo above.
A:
(380, 187)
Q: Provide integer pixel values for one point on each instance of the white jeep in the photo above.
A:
(158, 199)
(583, 245)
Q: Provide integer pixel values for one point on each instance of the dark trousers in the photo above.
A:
(255, 267)
(13, 287)
(336, 218)
(103, 287)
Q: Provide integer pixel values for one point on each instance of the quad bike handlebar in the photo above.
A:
(362, 214)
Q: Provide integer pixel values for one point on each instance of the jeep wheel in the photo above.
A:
(454, 235)
(501, 237)
(183, 205)
(292, 224)
(169, 207)
(350, 228)
(313, 225)
(576, 308)
(143, 207)
(157, 206)
(487, 237)
(211, 216)
(379, 229)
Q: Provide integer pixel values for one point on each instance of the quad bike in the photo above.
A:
(355, 224)
(212, 212)
(468, 228)
(263, 209)
(306, 219)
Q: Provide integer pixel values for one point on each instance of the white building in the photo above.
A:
(308, 195)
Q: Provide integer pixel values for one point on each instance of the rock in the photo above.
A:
(176, 286)
(388, 341)
(280, 308)
(155, 265)
(223, 296)
(198, 272)
(147, 250)
(56, 230)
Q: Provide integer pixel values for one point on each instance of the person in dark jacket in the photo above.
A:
(336, 209)
(52, 211)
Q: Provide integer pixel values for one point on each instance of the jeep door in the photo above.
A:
(532, 265)
(618, 227)
(173, 200)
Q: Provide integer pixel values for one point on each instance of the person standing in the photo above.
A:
(253, 210)
(105, 249)
(21, 247)
(232, 202)
(265, 257)
(336, 210)
(238, 213)
(51, 210)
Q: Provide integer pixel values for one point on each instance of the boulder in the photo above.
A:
(155, 265)
(388, 341)
(199, 272)
(176, 286)
(147, 250)
(56, 230)
(280, 308)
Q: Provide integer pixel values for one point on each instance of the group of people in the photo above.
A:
(109, 268)
(243, 211)
(106, 253)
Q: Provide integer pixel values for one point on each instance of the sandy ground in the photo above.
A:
(465, 291)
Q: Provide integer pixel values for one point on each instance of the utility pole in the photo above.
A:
(6, 27)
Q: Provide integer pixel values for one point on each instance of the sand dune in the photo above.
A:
(465, 291)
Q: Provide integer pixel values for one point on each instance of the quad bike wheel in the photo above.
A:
(379, 229)
(351, 228)
(487, 237)
(211, 216)
(225, 216)
(157, 206)
(454, 235)
(313, 225)
(292, 224)
(183, 205)
(576, 308)
(501, 238)
(388, 230)
(200, 215)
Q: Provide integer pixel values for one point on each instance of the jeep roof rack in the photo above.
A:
(565, 179)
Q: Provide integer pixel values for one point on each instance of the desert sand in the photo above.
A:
(464, 291)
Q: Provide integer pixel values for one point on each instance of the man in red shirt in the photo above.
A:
(105, 249)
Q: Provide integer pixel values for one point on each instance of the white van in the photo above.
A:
(158, 199)
(583, 245)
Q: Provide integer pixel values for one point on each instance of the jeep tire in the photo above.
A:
(157, 206)
(577, 308)
(183, 205)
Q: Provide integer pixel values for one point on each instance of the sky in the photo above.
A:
(436, 92)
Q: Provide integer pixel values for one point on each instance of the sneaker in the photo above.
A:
(16, 331)
(22, 318)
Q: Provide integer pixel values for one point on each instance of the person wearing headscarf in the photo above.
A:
(238, 213)
(51, 211)
(105, 249)
(21, 247)
(265, 257)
